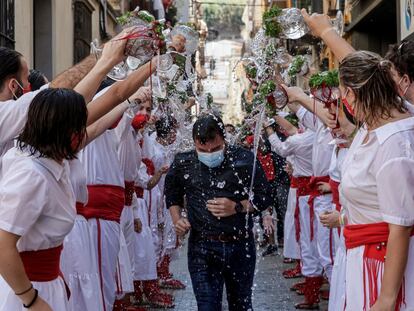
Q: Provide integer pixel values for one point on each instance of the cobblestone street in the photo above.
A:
(271, 290)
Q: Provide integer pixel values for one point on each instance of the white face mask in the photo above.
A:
(406, 89)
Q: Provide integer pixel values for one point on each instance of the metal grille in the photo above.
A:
(7, 23)
(83, 31)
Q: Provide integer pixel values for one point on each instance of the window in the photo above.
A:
(7, 23)
(83, 30)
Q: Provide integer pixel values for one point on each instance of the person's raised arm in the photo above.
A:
(286, 125)
(321, 26)
(120, 91)
(112, 54)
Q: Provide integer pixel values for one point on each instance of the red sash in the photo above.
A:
(301, 184)
(139, 192)
(129, 192)
(374, 237)
(105, 202)
(335, 197)
(150, 166)
(313, 185)
(293, 182)
(42, 265)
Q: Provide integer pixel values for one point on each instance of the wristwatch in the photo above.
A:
(239, 207)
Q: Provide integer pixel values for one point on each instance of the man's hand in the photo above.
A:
(324, 187)
(182, 226)
(137, 225)
(327, 118)
(318, 23)
(221, 207)
(295, 93)
(330, 219)
(289, 168)
(268, 224)
(163, 170)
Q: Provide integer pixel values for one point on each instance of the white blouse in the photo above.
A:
(322, 150)
(13, 116)
(78, 180)
(37, 201)
(378, 175)
(299, 147)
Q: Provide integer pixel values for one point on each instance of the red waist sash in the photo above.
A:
(313, 185)
(302, 190)
(42, 265)
(335, 197)
(374, 237)
(335, 193)
(293, 182)
(105, 202)
(139, 192)
(129, 192)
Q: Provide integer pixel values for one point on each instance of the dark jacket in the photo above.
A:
(198, 183)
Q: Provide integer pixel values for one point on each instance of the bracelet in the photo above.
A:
(325, 32)
(26, 291)
(33, 300)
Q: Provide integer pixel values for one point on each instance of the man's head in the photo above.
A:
(208, 136)
(166, 128)
(402, 57)
(14, 74)
(230, 129)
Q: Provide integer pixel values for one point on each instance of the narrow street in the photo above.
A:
(271, 291)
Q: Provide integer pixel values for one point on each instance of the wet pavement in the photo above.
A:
(271, 291)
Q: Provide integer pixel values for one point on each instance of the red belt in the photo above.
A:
(105, 202)
(139, 192)
(313, 185)
(374, 237)
(42, 265)
(301, 184)
(294, 182)
(335, 197)
(129, 192)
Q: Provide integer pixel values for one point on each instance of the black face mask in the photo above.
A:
(348, 115)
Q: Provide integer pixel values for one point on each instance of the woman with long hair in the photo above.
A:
(377, 187)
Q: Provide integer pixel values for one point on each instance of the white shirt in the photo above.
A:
(378, 176)
(128, 150)
(13, 116)
(37, 201)
(322, 150)
(100, 161)
(78, 181)
(162, 155)
(337, 159)
(299, 148)
(142, 177)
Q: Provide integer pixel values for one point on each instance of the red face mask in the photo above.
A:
(139, 121)
(347, 105)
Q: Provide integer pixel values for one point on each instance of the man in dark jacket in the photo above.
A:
(215, 180)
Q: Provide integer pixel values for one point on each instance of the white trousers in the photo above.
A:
(337, 286)
(308, 248)
(124, 277)
(325, 237)
(291, 247)
(105, 236)
(146, 259)
(80, 268)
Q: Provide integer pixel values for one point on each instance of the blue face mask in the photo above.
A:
(212, 159)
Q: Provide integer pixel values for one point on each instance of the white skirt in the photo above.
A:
(154, 201)
(146, 267)
(81, 272)
(291, 247)
(355, 280)
(337, 286)
(53, 292)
